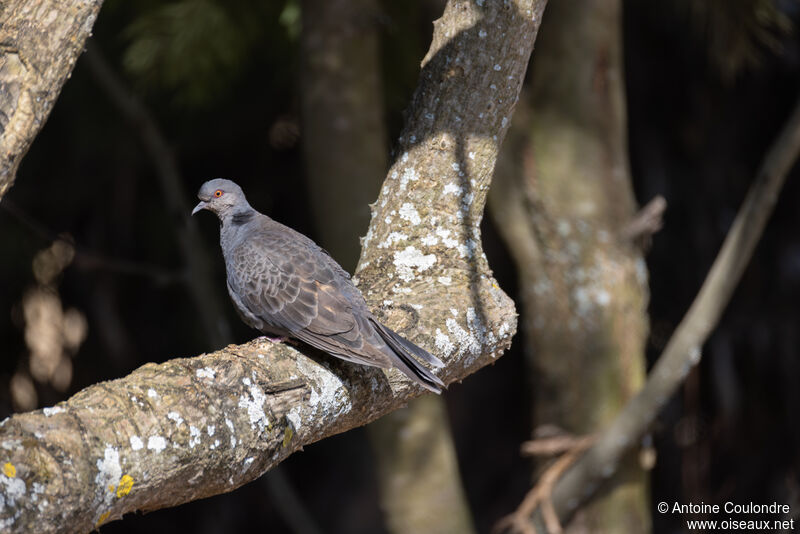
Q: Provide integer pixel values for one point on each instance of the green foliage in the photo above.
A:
(738, 32)
(191, 47)
(291, 20)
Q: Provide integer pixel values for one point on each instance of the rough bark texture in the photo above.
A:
(683, 351)
(39, 44)
(191, 428)
(345, 146)
(561, 210)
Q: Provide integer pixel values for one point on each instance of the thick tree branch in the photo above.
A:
(684, 348)
(191, 428)
(39, 44)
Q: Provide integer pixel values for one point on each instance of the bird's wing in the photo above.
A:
(293, 286)
(281, 288)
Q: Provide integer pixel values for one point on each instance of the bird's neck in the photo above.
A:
(234, 221)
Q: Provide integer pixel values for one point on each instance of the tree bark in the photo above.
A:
(191, 428)
(561, 210)
(345, 146)
(39, 44)
(684, 349)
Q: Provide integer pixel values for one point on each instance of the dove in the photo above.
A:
(285, 285)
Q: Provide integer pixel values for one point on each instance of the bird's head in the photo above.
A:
(221, 197)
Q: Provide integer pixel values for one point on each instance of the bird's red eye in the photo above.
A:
(218, 193)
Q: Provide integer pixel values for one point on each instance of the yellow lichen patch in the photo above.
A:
(287, 436)
(9, 470)
(125, 486)
(111, 488)
(103, 518)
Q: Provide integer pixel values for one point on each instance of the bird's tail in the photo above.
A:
(406, 352)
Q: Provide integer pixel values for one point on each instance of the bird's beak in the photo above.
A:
(200, 206)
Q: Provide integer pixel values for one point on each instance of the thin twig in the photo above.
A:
(541, 494)
(684, 348)
(90, 260)
(646, 222)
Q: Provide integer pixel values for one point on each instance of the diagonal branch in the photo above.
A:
(39, 44)
(191, 428)
(684, 348)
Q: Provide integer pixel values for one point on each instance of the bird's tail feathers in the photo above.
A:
(406, 351)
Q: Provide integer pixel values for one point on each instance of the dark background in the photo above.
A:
(697, 135)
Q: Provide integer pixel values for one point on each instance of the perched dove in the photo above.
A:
(285, 285)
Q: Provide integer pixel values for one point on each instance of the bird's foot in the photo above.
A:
(278, 339)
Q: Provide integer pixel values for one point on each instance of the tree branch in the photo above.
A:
(684, 348)
(39, 44)
(191, 428)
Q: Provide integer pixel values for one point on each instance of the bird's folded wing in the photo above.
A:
(285, 292)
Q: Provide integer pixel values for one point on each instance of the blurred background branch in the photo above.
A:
(346, 152)
(684, 350)
(707, 85)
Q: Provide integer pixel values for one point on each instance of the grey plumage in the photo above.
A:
(284, 284)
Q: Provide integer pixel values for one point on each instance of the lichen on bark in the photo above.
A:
(217, 421)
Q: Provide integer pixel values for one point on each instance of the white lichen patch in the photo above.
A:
(429, 240)
(253, 403)
(136, 443)
(409, 260)
(328, 398)
(294, 417)
(466, 342)
(229, 424)
(109, 471)
(11, 489)
(447, 241)
(445, 280)
(156, 443)
(469, 341)
(247, 463)
(409, 175)
(451, 189)
(153, 394)
(392, 238)
(194, 436)
(210, 430)
(504, 330)
(468, 249)
(48, 412)
(206, 372)
(409, 213)
(176, 417)
(443, 343)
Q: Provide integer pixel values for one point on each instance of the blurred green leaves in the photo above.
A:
(738, 33)
(195, 49)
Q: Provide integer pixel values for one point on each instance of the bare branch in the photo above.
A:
(647, 221)
(191, 428)
(39, 44)
(684, 348)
